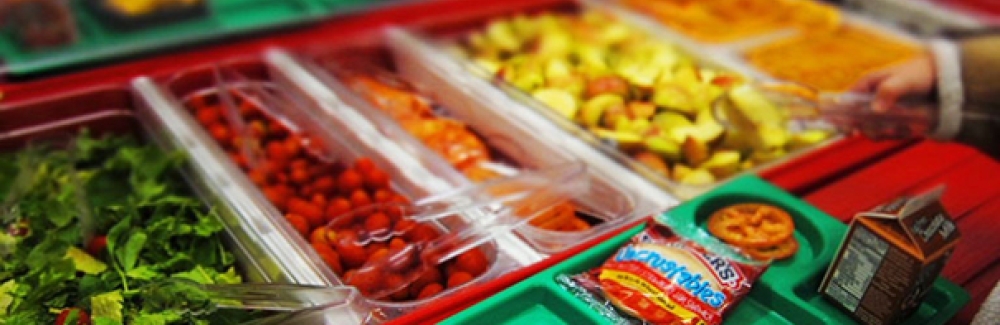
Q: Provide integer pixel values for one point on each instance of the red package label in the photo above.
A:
(665, 279)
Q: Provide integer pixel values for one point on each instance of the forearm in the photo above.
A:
(969, 92)
(980, 69)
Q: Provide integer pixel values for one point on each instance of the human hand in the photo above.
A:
(900, 106)
(912, 79)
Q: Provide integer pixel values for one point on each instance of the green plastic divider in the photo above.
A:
(97, 41)
(785, 294)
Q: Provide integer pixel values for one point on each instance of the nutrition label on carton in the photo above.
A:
(862, 256)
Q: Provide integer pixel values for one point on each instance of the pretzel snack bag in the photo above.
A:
(662, 278)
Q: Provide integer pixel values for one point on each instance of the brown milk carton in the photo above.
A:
(890, 258)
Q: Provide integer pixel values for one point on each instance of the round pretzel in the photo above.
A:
(751, 225)
(782, 250)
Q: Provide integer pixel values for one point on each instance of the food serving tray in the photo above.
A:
(99, 40)
(787, 293)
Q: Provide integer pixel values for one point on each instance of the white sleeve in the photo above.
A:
(949, 85)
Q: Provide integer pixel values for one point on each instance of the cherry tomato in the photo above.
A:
(97, 245)
(82, 318)
(349, 181)
(474, 262)
(378, 222)
(459, 278)
(208, 115)
(299, 223)
(430, 290)
(330, 256)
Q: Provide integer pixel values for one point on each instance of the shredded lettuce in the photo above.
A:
(84, 262)
(108, 305)
(155, 228)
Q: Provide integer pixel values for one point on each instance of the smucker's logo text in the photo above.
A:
(694, 283)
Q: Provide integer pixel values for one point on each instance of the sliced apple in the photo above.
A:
(686, 74)
(641, 110)
(633, 69)
(490, 65)
(736, 119)
(708, 129)
(695, 151)
(643, 75)
(723, 163)
(764, 156)
(704, 95)
(680, 171)
(592, 59)
(524, 26)
(667, 121)
(735, 139)
(698, 176)
(807, 138)
(664, 147)
(559, 100)
(770, 137)
(682, 133)
(707, 74)
(553, 44)
(500, 34)
(750, 105)
(613, 33)
(653, 161)
(613, 85)
(575, 83)
(593, 111)
(674, 97)
(640, 126)
(558, 69)
(623, 124)
(528, 80)
(623, 140)
(664, 58)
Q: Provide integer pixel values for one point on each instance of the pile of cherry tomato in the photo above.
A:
(312, 193)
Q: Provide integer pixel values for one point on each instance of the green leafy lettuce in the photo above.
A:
(155, 229)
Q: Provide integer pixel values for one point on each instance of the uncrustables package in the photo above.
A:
(660, 277)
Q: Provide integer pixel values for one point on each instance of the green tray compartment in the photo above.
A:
(785, 294)
(98, 42)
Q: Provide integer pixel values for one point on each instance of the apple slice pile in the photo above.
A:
(643, 95)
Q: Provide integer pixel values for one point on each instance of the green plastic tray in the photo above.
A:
(785, 294)
(97, 41)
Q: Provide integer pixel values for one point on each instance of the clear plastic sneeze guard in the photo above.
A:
(333, 108)
(176, 130)
(342, 139)
(708, 72)
(606, 206)
(455, 86)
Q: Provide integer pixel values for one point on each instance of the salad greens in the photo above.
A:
(153, 227)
